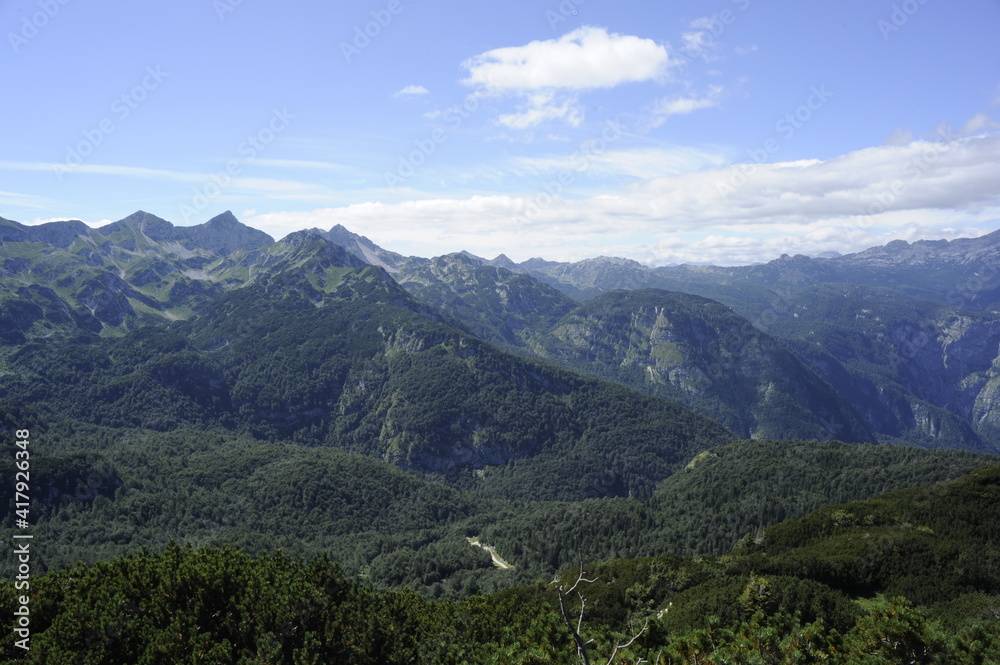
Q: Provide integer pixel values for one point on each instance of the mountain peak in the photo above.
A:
(304, 237)
(363, 248)
(60, 234)
(139, 223)
(314, 242)
(138, 216)
(502, 261)
(469, 256)
(226, 218)
(224, 234)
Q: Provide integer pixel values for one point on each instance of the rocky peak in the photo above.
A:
(224, 234)
(153, 227)
(363, 248)
(502, 261)
(60, 234)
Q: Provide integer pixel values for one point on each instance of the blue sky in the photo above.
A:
(727, 132)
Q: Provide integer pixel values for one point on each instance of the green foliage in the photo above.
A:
(768, 604)
(362, 368)
(266, 421)
(146, 489)
(221, 606)
(492, 303)
(897, 543)
(700, 353)
(731, 493)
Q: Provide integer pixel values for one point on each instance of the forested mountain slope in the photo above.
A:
(820, 351)
(892, 579)
(320, 348)
(904, 336)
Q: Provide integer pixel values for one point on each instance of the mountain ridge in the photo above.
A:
(959, 248)
(913, 368)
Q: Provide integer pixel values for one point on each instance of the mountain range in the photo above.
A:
(897, 344)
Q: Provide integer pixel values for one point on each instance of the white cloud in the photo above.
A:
(749, 249)
(540, 108)
(412, 91)
(899, 136)
(268, 187)
(701, 41)
(846, 203)
(668, 106)
(548, 75)
(978, 123)
(643, 163)
(298, 164)
(585, 59)
(684, 105)
(17, 200)
(671, 204)
(697, 44)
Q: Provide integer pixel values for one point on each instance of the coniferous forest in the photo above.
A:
(227, 449)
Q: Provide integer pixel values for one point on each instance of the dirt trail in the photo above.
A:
(497, 561)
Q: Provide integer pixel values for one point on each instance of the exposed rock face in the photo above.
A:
(106, 276)
(60, 234)
(700, 353)
(364, 249)
(494, 303)
(224, 234)
(898, 343)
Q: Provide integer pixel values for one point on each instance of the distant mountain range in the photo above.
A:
(894, 344)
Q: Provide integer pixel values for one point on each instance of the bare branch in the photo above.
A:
(579, 579)
(581, 646)
(619, 647)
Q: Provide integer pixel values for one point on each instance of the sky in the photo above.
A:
(718, 131)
